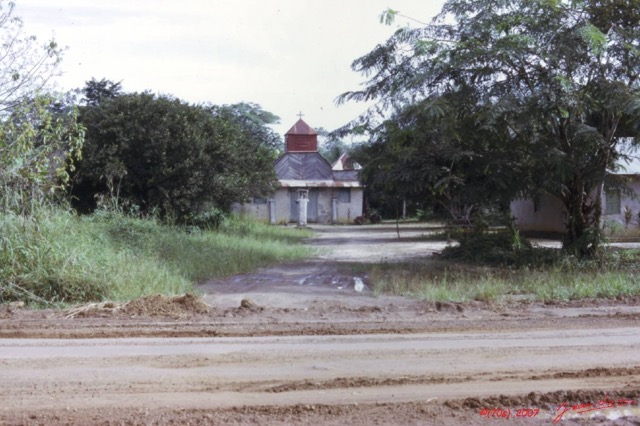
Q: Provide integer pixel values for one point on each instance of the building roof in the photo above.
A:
(303, 166)
(345, 163)
(631, 166)
(345, 175)
(310, 169)
(301, 128)
(291, 183)
(629, 163)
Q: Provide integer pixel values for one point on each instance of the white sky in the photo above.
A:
(286, 55)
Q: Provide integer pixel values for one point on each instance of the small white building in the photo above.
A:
(620, 207)
(334, 193)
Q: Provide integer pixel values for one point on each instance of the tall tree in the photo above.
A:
(38, 140)
(562, 75)
(96, 91)
(437, 152)
(331, 145)
(161, 154)
(26, 65)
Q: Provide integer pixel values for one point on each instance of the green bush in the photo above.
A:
(209, 219)
(499, 248)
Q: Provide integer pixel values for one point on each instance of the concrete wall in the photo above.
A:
(346, 211)
(349, 211)
(549, 216)
(259, 211)
(283, 208)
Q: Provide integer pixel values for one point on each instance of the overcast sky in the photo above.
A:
(286, 55)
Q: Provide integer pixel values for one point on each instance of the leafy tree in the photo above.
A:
(556, 80)
(38, 140)
(25, 65)
(96, 91)
(331, 145)
(436, 153)
(156, 153)
(37, 149)
(254, 148)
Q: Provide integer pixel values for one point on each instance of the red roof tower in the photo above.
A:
(301, 138)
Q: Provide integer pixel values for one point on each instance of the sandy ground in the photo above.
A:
(307, 343)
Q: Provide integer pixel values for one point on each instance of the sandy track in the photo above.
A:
(315, 351)
(221, 373)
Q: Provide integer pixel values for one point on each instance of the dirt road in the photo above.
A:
(309, 345)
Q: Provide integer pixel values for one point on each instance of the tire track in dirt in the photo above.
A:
(222, 373)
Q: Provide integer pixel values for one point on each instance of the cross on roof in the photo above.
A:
(300, 115)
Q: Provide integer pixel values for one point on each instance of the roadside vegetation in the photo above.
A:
(113, 195)
(59, 257)
(497, 100)
(153, 178)
(492, 267)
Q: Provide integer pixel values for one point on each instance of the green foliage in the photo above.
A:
(499, 249)
(159, 155)
(628, 216)
(546, 89)
(62, 258)
(564, 279)
(37, 148)
(438, 153)
(96, 91)
(210, 219)
(388, 16)
(37, 266)
(38, 140)
(244, 227)
(331, 146)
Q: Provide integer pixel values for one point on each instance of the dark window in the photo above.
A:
(613, 202)
(344, 195)
(260, 200)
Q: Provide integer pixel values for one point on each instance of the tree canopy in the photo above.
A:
(331, 145)
(552, 84)
(159, 154)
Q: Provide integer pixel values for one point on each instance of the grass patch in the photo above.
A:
(58, 257)
(459, 282)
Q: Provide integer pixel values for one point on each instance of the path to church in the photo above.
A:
(308, 343)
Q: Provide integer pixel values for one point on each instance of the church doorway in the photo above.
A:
(312, 207)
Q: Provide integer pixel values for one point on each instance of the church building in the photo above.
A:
(334, 194)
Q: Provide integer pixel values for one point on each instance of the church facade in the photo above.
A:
(334, 193)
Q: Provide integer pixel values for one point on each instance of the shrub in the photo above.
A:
(499, 249)
(374, 216)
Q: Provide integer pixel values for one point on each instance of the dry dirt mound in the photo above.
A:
(148, 306)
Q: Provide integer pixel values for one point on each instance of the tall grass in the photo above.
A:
(495, 267)
(58, 257)
(443, 281)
